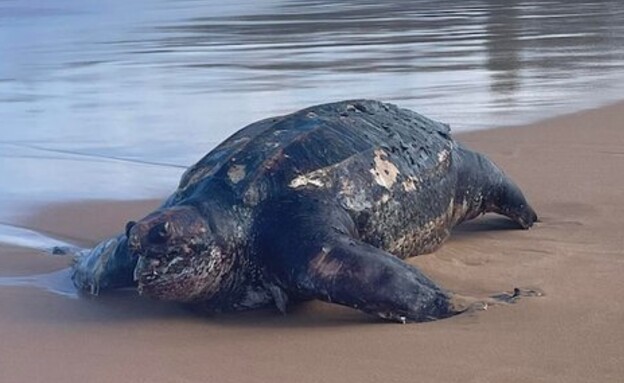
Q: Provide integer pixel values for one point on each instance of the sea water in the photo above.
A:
(113, 99)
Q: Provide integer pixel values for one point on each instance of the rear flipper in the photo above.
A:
(510, 202)
(482, 187)
(107, 266)
(312, 253)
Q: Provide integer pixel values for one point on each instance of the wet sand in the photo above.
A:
(569, 167)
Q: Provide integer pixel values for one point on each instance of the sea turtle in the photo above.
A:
(324, 203)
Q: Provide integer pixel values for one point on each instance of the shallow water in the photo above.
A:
(24, 237)
(113, 99)
(56, 282)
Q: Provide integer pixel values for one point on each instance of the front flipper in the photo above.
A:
(107, 266)
(310, 247)
(352, 273)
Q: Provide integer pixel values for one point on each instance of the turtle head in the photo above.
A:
(179, 256)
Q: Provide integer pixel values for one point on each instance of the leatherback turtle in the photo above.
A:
(324, 203)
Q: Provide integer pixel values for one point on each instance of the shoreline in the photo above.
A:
(567, 166)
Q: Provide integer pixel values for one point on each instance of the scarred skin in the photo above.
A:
(320, 204)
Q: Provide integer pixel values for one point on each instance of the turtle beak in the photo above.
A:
(139, 268)
(146, 270)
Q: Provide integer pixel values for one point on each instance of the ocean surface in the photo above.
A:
(113, 99)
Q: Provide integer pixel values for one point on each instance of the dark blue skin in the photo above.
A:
(320, 204)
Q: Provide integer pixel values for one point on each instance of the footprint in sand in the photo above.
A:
(470, 304)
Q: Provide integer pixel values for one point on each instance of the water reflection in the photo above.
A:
(503, 47)
(94, 95)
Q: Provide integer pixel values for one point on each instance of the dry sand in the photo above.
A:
(571, 170)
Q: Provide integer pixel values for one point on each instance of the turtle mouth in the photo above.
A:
(151, 270)
(170, 279)
(146, 270)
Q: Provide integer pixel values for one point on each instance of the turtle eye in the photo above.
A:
(129, 227)
(160, 233)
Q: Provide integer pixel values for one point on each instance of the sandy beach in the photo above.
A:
(569, 167)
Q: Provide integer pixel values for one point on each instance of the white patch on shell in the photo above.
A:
(316, 178)
(384, 172)
(443, 155)
(236, 173)
(410, 184)
(353, 198)
(252, 196)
